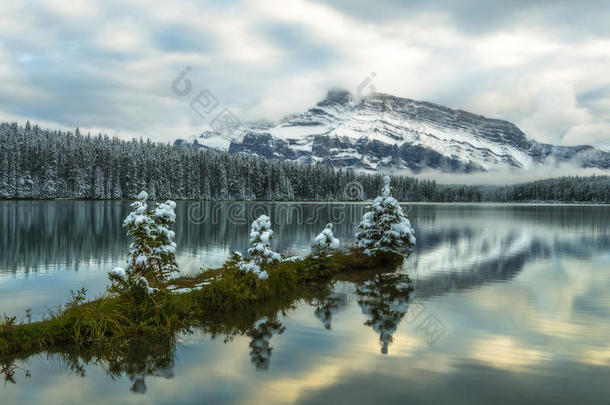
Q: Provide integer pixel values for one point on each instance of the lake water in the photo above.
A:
(510, 303)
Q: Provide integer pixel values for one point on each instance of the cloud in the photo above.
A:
(108, 66)
(479, 17)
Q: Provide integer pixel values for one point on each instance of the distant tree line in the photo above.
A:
(38, 163)
(562, 189)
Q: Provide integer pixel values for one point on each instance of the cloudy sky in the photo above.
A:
(109, 65)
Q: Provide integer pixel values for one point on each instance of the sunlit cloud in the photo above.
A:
(597, 357)
(505, 353)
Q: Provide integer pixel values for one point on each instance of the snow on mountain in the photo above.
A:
(384, 132)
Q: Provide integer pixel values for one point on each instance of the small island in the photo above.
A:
(146, 300)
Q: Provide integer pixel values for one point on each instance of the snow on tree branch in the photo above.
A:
(325, 241)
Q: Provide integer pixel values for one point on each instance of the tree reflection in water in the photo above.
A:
(260, 335)
(327, 307)
(385, 299)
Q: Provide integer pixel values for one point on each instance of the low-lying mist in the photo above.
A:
(506, 176)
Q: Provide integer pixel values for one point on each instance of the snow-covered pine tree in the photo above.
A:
(223, 184)
(26, 186)
(4, 176)
(384, 227)
(117, 192)
(206, 194)
(152, 252)
(325, 241)
(139, 265)
(49, 186)
(98, 184)
(139, 224)
(13, 185)
(260, 239)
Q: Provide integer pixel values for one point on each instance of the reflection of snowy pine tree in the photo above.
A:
(384, 227)
(157, 367)
(385, 299)
(137, 358)
(260, 335)
(327, 307)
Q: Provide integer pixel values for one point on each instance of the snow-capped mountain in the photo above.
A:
(384, 132)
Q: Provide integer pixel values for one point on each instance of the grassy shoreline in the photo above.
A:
(222, 292)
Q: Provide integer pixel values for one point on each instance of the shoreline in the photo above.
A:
(222, 293)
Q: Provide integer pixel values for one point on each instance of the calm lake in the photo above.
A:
(509, 304)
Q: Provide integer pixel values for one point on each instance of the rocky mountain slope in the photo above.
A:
(384, 132)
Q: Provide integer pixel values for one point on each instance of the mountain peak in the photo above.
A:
(384, 132)
(338, 96)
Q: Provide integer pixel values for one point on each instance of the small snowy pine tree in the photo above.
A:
(384, 227)
(152, 252)
(139, 225)
(260, 239)
(325, 241)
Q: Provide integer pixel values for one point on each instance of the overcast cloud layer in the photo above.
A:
(108, 65)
